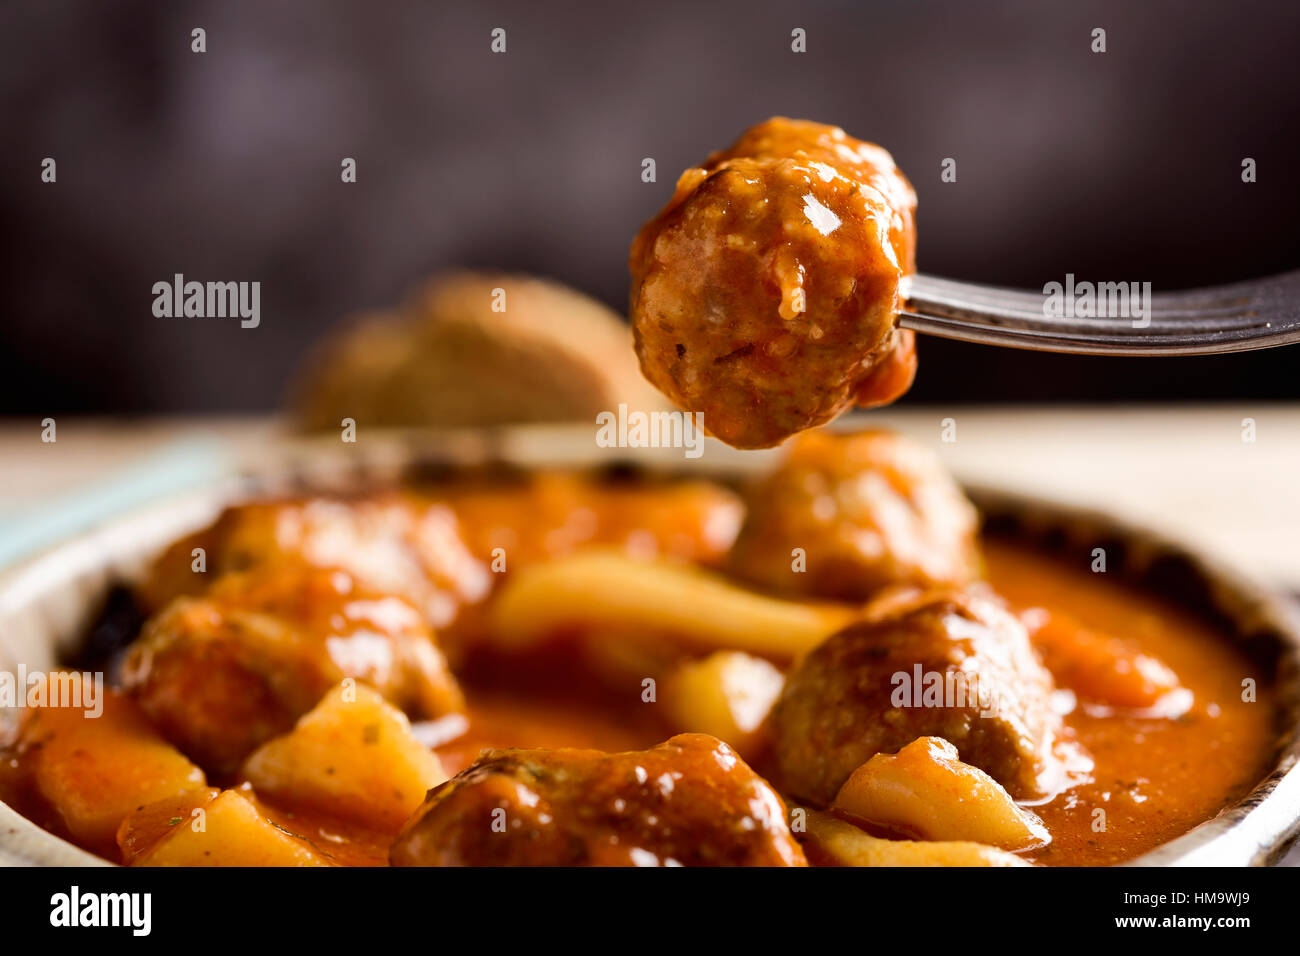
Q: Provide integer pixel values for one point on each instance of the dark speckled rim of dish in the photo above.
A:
(47, 603)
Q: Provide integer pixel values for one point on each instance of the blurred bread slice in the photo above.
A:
(447, 359)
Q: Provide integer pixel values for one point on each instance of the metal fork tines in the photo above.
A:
(1232, 318)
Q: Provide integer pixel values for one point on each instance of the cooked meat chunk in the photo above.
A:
(391, 543)
(554, 513)
(951, 664)
(765, 294)
(439, 550)
(865, 510)
(223, 673)
(690, 801)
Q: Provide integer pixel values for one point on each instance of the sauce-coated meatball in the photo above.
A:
(395, 543)
(555, 513)
(950, 664)
(691, 801)
(223, 673)
(764, 295)
(435, 549)
(865, 510)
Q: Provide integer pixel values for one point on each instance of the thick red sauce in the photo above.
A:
(1154, 778)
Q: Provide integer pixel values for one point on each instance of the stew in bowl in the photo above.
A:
(837, 659)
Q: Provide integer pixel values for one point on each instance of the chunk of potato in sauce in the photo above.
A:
(830, 841)
(727, 694)
(352, 757)
(924, 791)
(91, 770)
(230, 830)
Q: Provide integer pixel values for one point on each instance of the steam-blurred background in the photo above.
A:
(225, 166)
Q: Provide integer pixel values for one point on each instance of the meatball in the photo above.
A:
(690, 801)
(765, 294)
(865, 510)
(223, 673)
(553, 513)
(436, 549)
(954, 664)
(392, 543)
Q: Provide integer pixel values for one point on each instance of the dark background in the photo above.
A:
(225, 166)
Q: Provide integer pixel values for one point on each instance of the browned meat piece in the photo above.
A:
(436, 549)
(689, 801)
(391, 543)
(950, 664)
(867, 510)
(223, 673)
(554, 513)
(765, 294)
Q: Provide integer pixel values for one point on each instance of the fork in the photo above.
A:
(1259, 314)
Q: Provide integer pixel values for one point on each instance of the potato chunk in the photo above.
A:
(352, 757)
(231, 831)
(727, 694)
(924, 791)
(600, 590)
(93, 771)
(831, 841)
(147, 824)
